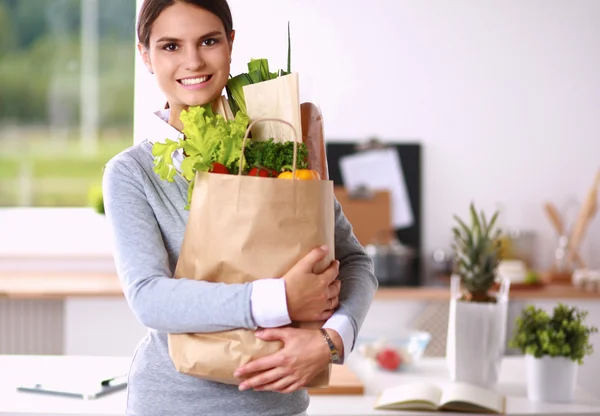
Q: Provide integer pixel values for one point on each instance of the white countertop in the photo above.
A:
(15, 370)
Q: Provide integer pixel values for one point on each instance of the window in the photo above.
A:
(66, 97)
(66, 106)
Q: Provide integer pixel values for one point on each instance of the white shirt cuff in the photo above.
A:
(341, 324)
(269, 303)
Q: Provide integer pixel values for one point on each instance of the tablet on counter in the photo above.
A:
(78, 390)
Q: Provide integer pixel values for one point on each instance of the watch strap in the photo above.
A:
(334, 354)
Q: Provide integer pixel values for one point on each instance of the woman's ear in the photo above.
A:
(231, 38)
(145, 57)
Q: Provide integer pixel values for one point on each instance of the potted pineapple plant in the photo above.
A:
(476, 337)
(554, 346)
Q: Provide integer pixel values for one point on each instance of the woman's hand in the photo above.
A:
(305, 353)
(312, 297)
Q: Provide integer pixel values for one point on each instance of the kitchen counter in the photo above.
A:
(19, 369)
(53, 285)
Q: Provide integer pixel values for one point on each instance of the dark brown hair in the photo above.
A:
(151, 9)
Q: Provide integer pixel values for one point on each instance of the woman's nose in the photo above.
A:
(194, 59)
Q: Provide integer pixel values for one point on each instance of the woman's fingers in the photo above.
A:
(260, 364)
(325, 315)
(278, 385)
(264, 378)
(291, 388)
(333, 290)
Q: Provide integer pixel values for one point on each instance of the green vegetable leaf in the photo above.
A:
(209, 138)
(235, 92)
(262, 67)
(289, 57)
(255, 76)
(163, 158)
(202, 140)
(275, 155)
(232, 137)
(190, 193)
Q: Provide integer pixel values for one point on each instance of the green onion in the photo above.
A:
(258, 71)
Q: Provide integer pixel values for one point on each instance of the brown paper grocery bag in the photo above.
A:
(240, 229)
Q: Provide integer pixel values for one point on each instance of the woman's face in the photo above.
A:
(190, 55)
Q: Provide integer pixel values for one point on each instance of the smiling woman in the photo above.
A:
(186, 48)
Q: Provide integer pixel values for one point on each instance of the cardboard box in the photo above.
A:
(370, 215)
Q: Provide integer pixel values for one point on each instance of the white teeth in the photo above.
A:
(194, 81)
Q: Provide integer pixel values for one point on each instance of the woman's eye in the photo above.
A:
(209, 42)
(170, 47)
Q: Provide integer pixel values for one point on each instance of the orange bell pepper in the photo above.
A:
(301, 174)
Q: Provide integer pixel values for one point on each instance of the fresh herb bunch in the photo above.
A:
(274, 155)
(477, 248)
(561, 335)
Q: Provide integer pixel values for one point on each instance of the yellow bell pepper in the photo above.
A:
(301, 174)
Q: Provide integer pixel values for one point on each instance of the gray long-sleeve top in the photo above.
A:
(147, 219)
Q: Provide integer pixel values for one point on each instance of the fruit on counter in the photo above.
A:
(389, 359)
(301, 174)
(371, 352)
(531, 277)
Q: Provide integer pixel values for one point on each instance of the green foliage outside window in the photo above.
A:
(43, 162)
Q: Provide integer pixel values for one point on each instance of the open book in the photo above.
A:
(451, 397)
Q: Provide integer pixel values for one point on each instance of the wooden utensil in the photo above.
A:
(557, 222)
(587, 212)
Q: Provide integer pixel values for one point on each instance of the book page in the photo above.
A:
(463, 397)
(409, 396)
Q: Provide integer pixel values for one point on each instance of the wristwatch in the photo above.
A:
(334, 354)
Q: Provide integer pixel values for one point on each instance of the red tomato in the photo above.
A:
(219, 168)
(265, 173)
(389, 359)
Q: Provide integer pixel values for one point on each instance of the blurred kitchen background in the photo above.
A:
(493, 102)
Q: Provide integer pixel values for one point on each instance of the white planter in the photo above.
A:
(550, 379)
(476, 339)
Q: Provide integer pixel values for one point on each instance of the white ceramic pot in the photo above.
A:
(476, 337)
(551, 379)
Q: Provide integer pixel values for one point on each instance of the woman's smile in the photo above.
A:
(196, 82)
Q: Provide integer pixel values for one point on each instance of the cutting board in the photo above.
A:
(343, 381)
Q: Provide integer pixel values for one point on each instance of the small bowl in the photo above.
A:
(411, 346)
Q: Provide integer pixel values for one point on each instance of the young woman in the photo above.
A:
(187, 45)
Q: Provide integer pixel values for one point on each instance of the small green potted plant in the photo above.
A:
(554, 346)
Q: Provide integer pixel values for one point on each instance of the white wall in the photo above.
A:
(503, 95)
